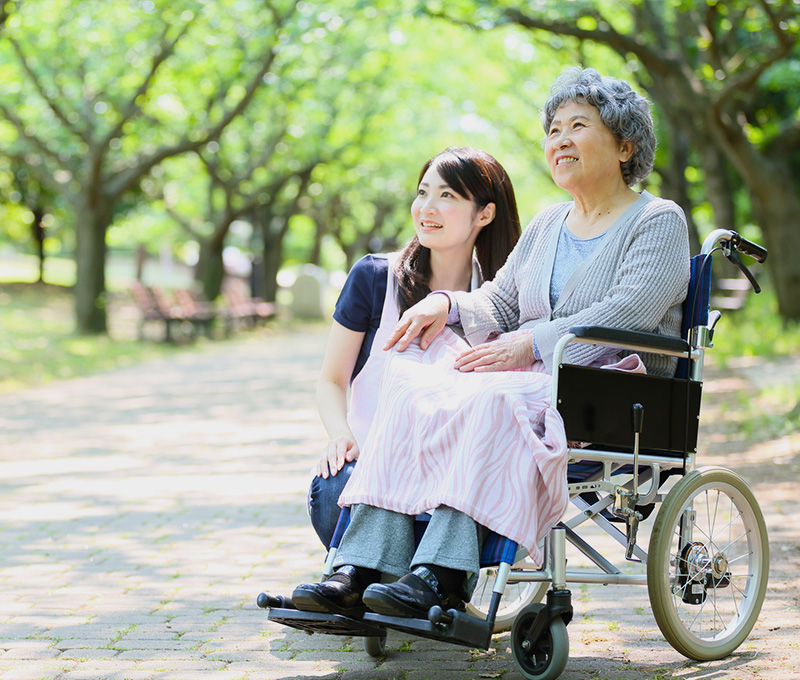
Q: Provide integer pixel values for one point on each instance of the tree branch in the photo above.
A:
(604, 33)
(24, 132)
(745, 81)
(6, 9)
(51, 103)
(132, 107)
(183, 222)
(126, 179)
(45, 177)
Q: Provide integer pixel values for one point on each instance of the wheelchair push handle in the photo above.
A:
(747, 247)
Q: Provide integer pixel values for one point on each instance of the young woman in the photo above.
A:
(466, 222)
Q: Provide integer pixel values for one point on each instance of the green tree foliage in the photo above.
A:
(96, 94)
(716, 69)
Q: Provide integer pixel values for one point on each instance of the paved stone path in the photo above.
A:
(141, 511)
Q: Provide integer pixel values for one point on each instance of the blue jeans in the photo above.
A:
(323, 508)
(322, 502)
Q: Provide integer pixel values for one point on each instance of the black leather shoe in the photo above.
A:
(340, 593)
(412, 596)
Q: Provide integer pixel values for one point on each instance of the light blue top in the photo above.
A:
(571, 251)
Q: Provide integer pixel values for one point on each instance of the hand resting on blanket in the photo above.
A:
(506, 353)
(428, 316)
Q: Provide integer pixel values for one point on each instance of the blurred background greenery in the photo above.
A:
(174, 142)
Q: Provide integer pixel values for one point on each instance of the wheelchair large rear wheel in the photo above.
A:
(708, 564)
(516, 597)
(546, 658)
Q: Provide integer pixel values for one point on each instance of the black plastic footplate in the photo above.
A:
(455, 627)
(327, 624)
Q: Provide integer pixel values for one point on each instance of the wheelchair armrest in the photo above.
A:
(635, 340)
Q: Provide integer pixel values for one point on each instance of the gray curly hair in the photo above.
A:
(624, 112)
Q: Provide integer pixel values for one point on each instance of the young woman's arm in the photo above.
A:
(337, 368)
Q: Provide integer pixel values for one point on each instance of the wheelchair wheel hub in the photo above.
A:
(719, 566)
(698, 573)
(693, 566)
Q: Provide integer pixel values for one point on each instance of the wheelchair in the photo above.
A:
(707, 560)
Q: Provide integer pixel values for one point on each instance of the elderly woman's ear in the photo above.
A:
(626, 149)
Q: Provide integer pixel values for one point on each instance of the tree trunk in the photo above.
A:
(775, 199)
(273, 257)
(210, 269)
(315, 257)
(38, 236)
(778, 205)
(674, 185)
(718, 186)
(90, 258)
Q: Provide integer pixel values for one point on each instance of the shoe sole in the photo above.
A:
(382, 603)
(308, 601)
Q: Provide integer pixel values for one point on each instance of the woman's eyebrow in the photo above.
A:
(571, 118)
(438, 186)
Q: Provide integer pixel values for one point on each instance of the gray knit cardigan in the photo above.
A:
(636, 279)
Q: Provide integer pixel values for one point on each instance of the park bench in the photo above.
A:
(241, 308)
(155, 306)
(199, 312)
(152, 310)
(730, 293)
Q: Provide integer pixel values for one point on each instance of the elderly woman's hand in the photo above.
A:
(428, 315)
(508, 352)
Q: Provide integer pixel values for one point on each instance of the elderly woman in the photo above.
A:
(442, 437)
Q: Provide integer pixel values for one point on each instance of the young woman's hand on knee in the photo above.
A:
(338, 452)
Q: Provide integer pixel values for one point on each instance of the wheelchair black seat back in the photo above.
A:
(707, 558)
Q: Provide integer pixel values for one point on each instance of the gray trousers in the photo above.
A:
(384, 540)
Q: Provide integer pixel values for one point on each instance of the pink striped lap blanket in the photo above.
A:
(487, 444)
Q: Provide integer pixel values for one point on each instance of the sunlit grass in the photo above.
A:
(755, 331)
(772, 408)
(58, 271)
(38, 343)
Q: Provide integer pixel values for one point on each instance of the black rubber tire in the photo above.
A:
(375, 646)
(547, 658)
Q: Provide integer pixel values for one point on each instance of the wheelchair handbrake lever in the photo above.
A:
(734, 257)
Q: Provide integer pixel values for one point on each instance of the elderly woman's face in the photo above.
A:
(581, 151)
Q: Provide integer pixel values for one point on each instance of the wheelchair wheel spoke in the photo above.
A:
(713, 538)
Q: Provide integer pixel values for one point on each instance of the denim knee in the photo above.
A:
(322, 502)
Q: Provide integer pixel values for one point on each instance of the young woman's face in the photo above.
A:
(444, 219)
(580, 150)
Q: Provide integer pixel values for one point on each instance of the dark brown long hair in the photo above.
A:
(477, 176)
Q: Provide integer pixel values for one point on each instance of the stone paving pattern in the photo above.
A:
(142, 511)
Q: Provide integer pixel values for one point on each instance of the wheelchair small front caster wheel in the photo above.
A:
(545, 658)
(375, 646)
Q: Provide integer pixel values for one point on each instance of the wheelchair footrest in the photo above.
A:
(328, 624)
(463, 629)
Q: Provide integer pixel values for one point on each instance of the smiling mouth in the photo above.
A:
(430, 225)
(565, 159)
